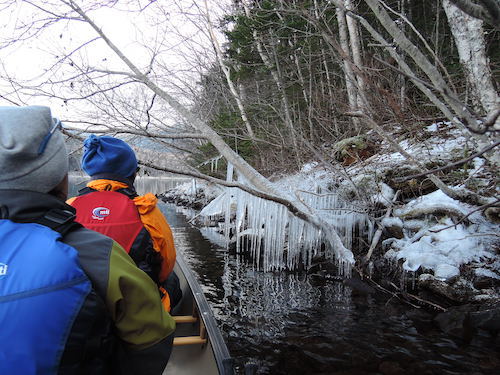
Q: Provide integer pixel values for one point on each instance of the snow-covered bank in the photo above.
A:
(428, 239)
(421, 236)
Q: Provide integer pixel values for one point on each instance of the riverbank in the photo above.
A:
(295, 323)
(409, 238)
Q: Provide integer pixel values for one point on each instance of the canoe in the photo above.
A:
(199, 347)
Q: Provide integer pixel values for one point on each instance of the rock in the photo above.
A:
(493, 214)
(456, 322)
(488, 319)
(463, 321)
(393, 229)
(461, 294)
(485, 282)
(391, 368)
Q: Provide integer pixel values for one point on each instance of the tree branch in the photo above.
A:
(144, 133)
(455, 164)
(378, 233)
(463, 218)
(487, 10)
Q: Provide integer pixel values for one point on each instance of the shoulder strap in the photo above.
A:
(85, 190)
(128, 191)
(60, 220)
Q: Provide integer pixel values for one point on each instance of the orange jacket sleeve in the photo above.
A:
(159, 230)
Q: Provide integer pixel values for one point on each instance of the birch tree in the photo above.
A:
(350, 78)
(469, 38)
(355, 48)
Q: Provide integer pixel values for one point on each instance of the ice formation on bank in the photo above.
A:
(275, 238)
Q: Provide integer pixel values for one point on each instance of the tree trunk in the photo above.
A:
(355, 44)
(350, 78)
(469, 39)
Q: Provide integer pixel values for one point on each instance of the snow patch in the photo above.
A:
(429, 202)
(487, 273)
(432, 128)
(306, 168)
(392, 222)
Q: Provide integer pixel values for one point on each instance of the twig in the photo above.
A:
(455, 164)
(378, 233)
(147, 111)
(393, 294)
(466, 216)
(421, 300)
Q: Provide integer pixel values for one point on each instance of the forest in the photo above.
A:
(268, 87)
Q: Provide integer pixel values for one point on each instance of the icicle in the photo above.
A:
(278, 240)
(240, 217)
(227, 213)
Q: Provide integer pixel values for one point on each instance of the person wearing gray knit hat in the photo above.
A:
(73, 300)
(33, 155)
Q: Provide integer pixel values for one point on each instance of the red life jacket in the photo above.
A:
(111, 213)
(114, 214)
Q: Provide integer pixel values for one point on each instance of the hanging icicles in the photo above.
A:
(274, 238)
(278, 240)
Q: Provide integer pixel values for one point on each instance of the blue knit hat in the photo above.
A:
(108, 155)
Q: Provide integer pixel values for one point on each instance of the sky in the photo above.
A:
(167, 29)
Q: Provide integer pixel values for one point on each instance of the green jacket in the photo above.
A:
(142, 327)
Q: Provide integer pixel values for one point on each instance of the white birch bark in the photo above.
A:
(469, 38)
(350, 78)
(355, 44)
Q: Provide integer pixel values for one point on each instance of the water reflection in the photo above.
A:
(292, 324)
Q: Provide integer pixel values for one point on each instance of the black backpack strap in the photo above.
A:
(4, 212)
(62, 221)
(128, 191)
(85, 190)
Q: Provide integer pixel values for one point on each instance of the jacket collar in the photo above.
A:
(111, 185)
(25, 206)
(113, 177)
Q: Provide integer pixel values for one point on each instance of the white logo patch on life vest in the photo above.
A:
(3, 270)
(99, 213)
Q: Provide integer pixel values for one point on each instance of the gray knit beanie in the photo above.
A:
(32, 151)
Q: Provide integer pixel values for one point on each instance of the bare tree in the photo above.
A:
(146, 75)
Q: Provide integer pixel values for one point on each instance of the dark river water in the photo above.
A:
(288, 323)
(291, 323)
